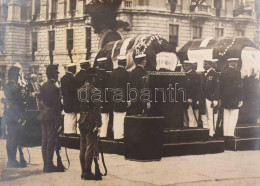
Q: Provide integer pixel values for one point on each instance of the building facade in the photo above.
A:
(35, 32)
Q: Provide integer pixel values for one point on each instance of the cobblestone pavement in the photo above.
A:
(229, 168)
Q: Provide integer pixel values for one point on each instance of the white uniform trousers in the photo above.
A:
(118, 124)
(204, 120)
(103, 129)
(70, 123)
(209, 114)
(230, 121)
(189, 118)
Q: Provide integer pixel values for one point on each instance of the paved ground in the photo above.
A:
(229, 168)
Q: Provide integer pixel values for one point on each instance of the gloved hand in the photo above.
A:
(189, 101)
(215, 103)
(148, 105)
(59, 129)
(97, 129)
(128, 104)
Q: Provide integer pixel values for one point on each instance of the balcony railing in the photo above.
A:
(202, 9)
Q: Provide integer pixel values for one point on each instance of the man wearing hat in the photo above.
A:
(193, 94)
(89, 126)
(138, 80)
(119, 80)
(50, 116)
(81, 77)
(102, 83)
(15, 104)
(210, 91)
(33, 91)
(69, 93)
(231, 96)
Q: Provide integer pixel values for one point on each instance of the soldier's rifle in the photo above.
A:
(98, 174)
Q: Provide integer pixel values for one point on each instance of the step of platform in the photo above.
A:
(193, 148)
(185, 135)
(241, 144)
(247, 131)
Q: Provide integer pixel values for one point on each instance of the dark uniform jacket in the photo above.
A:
(231, 88)
(138, 81)
(69, 92)
(193, 86)
(91, 117)
(51, 99)
(211, 85)
(119, 79)
(136, 76)
(103, 83)
(80, 79)
(15, 102)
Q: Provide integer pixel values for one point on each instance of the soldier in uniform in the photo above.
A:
(210, 91)
(69, 93)
(50, 116)
(89, 125)
(15, 119)
(231, 96)
(119, 80)
(193, 94)
(80, 79)
(138, 76)
(102, 83)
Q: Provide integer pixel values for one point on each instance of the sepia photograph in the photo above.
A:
(130, 92)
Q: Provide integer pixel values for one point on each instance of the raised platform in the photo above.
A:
(174, 141)
(248, 138)
(188, 141)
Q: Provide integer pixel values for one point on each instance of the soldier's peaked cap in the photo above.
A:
(189, 62)
(140, 56)
(85, 62)
(52, 68)
(232, 59)
(71, 65)
(211, 60)
(102, 59)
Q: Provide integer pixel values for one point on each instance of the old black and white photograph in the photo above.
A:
(130, 92)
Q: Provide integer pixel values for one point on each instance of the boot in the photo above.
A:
(23, 163)
(51, 168)
(13, 164)
(89, 176)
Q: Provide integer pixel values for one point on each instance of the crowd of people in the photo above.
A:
(206, 92)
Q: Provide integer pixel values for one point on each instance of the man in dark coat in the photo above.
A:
(50, 116)
(80, 79)
(210, 91)
(231, 96)
(15, 119)
(139, 78)
(193, 85)
(89, 125)
(119, 80)
(102, 83)
(69, 93)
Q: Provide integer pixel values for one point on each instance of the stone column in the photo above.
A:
(14, 10)
(44, 15)
(80, 8)
(61, 9)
